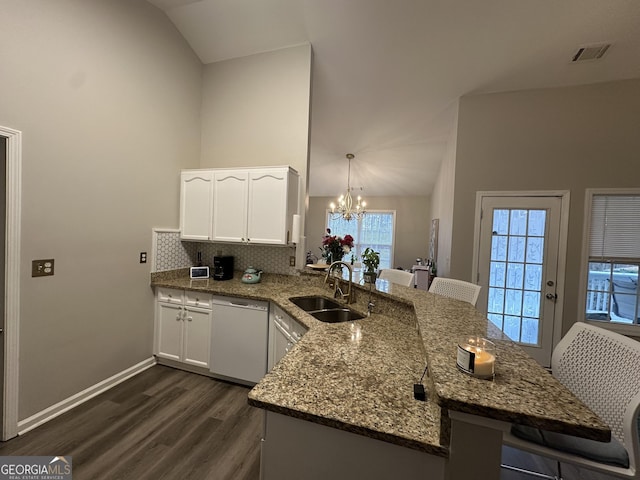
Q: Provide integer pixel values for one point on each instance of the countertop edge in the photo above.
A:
(437, 450)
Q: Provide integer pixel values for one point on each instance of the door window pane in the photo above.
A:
(531, 304)
(513, 302)
(518, 224)
(537, 222)
(500, 222)
(516, 249)
(512, 327)
(530, 331)
(498, 247)
(496, 300)
(515, 275)
(535, 249)
(496, 276)
(533, 277)
(495, 319)
(516, 302)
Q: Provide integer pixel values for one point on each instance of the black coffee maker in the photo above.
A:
(223, 267)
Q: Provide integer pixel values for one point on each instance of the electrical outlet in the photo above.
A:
(292, 261)
(143, 257)
(42, 268)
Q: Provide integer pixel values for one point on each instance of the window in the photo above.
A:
(613, 256)
(375, 230)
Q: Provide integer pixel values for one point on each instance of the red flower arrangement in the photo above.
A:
(334, 247)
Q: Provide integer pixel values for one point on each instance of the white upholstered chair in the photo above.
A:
(397, 276)
(458, 289)
(602, 369)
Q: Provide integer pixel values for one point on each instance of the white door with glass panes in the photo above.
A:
(518, 268)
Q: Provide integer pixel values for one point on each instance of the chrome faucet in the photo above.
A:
(337, 289)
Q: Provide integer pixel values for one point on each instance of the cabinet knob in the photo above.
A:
(189, 318)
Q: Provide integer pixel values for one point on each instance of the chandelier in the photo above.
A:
(345, 207)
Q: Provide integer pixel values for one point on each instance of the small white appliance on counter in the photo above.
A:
(239, 339)
(199, 272)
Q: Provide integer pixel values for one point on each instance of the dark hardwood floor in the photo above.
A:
(161, 424)
(169, 424)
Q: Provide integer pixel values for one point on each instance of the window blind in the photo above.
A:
(615, 227)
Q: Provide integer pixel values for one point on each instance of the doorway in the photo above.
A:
(520, 249)
(11, 147)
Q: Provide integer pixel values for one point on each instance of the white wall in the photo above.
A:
(107, 95)
(549, 139)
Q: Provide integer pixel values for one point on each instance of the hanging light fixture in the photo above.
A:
(345, 207)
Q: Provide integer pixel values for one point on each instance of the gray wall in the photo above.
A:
(413, 225)
(550, 139)
(255, 112)
(442, 201)
(107, 95)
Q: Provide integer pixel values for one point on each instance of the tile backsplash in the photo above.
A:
(171, 253)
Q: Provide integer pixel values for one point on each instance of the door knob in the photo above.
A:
(552, 296)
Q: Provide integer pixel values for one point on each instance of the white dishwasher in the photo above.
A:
(239, 339)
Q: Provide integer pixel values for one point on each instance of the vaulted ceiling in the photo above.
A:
(388, 73)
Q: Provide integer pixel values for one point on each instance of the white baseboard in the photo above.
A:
(67, 404)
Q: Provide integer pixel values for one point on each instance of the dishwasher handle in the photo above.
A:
(237, 303)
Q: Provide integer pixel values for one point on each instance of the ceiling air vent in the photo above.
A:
(590, 52)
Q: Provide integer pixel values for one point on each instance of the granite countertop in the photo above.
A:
(358, 376)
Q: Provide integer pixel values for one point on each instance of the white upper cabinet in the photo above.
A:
(230, 205)
(196, 204)
(273, 200)
(254, 205)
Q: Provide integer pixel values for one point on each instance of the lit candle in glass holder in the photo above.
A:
(476, 356)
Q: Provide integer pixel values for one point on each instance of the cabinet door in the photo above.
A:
(169, 335)
(196, 203)
(268, 210)
(230, 206)
(197, 336)
(281, 346)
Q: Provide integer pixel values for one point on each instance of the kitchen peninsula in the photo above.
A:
(343, 397)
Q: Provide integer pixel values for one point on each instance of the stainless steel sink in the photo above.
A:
(325, 309)
(337, 315)
(310, 304)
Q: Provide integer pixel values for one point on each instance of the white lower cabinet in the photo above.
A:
(183, 326)
(284, 333)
